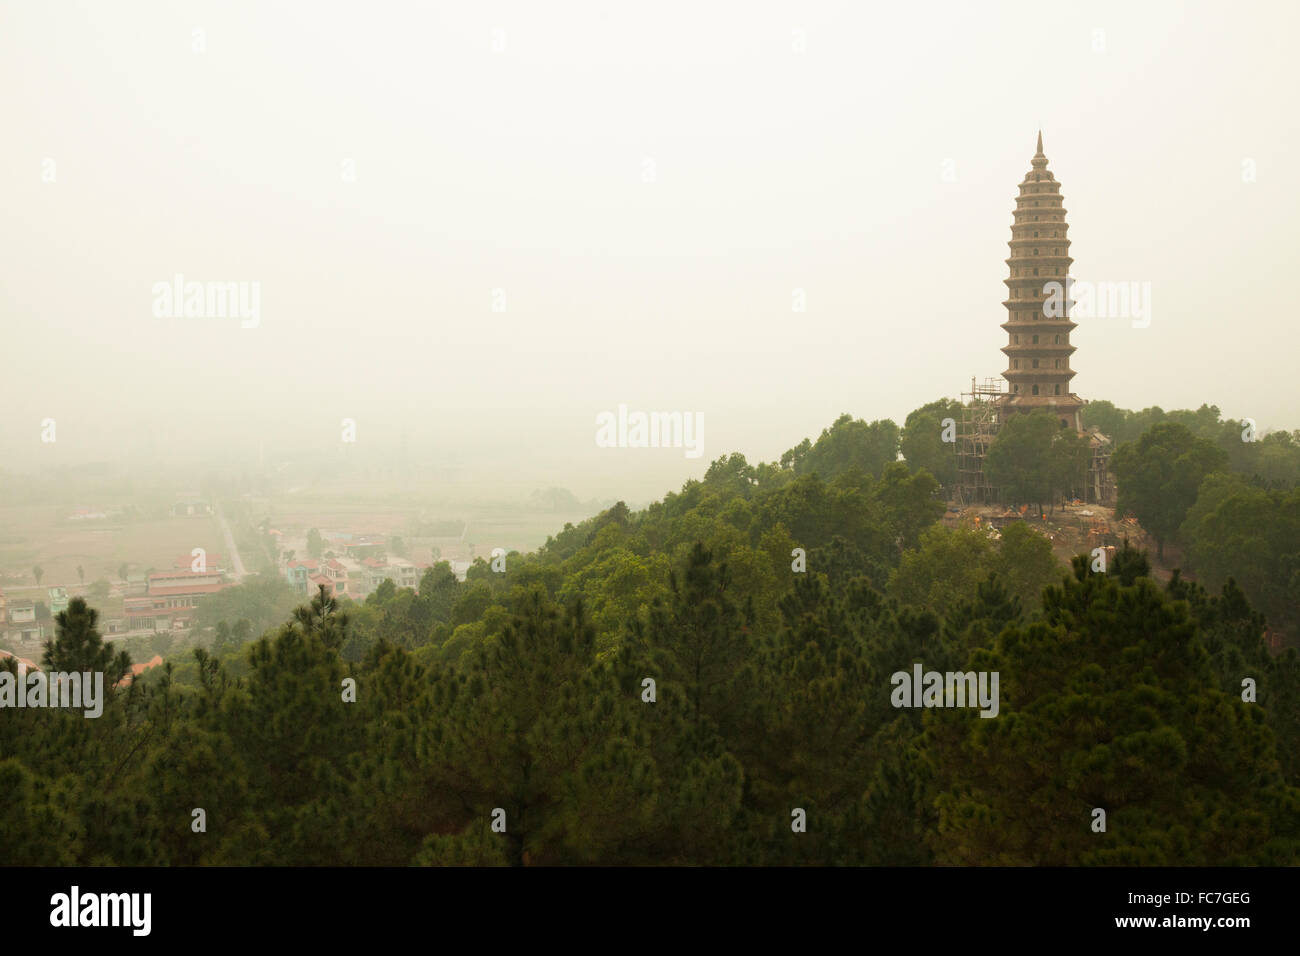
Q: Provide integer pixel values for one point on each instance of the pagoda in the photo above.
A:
(1038, 322)
(1038, 349)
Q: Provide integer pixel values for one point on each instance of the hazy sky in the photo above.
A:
(507, 146)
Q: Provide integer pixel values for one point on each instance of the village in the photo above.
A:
(147, 609)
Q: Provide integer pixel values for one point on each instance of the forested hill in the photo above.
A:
(708, 681)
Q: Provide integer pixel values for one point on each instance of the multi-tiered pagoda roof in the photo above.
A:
(1038, 323)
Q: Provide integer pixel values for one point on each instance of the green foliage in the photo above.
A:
(1025, 563)
(1108, 703)
(922, 444)
(948, 566)
(666, 686)
(1158, 477)
(1034, 460)
(78, 647)
(31, 809)
(263, 600)
(1273, 459)
(1236, 530)
(849, 443)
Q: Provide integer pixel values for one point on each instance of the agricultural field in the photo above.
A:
(461, 527)
(43, 535)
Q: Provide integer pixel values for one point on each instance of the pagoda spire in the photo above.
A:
(1040, 143)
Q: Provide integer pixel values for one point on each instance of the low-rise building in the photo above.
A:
(337, 573)
(317, 581)
(302, 575)
(365, 576)
(405, 574)
(22, 623)
(171, 600)
(364, 546)
(30, 666)
(299, 573)
(138, 669)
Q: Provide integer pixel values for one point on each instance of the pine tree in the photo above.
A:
(1109, 702)
(78, 646)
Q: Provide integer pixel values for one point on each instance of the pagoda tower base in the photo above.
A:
(1068, 409)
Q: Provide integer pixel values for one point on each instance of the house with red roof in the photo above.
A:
(24, 662)
(138, 669)
(299, 573)
(337, 573)
(171, 599)
(317, 581)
